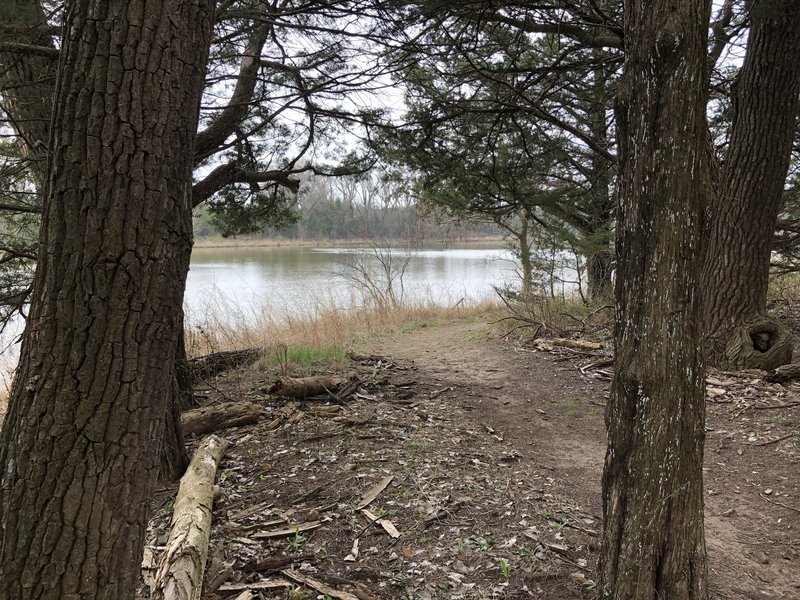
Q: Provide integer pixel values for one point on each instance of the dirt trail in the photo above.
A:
(544, 409)
(549, 412)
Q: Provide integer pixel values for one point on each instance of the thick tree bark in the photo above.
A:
(653, 542)
(27, 84)
(80, 443)
(766, 99)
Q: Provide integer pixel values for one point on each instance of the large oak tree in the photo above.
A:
(79, 446)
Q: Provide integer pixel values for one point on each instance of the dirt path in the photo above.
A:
(548, 411)
(493, 453)
(544, 411)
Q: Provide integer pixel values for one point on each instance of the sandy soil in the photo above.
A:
(496, 453)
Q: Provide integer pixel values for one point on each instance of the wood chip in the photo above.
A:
(374, 492)
(322, 588)
(287, 531)
(353, 556)
(264, 584)
(387, 525)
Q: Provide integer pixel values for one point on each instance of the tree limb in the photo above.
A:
(212, 137)
(231, 173)
(18, 48)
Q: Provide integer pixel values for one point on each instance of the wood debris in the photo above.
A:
(321, 387)
(283, 414)
(180, 571)
(293, 529)
(199, 421)
(583, 345)
(264, 584)
(215, 363)
(353, 556)
(322, 588)
(274, 563)
(387, 525)
(374, 492)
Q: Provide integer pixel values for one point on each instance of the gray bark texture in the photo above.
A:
(653, 542)
(80, 444)
(766, 100)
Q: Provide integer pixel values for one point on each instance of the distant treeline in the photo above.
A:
(347, 208)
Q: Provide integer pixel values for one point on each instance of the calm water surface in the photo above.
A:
(242, 283)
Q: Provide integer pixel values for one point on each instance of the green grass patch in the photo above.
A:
(304, 359)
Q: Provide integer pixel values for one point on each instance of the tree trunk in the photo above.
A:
(174, 458)
(599, 266)
(653, 542)
(598, 236)
(766, 98)
(80, 443)
(525, 255)
(27, 84)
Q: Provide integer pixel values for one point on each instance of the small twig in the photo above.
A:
(438, 393)
(775, 502)
(775, 441)
(775, 406)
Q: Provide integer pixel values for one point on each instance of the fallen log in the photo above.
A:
(574, 344)
(783, 373)
(207, 419)
(204, 367)
(180, 570)
(306, 387)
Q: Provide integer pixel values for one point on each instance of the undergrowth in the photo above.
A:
(537, 316)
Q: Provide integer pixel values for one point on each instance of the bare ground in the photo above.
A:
(496, 453)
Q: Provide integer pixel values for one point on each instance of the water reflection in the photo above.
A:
(243, 282)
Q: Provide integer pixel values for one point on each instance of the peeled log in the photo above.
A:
(206, 419)
(763, 343)
(180, 571)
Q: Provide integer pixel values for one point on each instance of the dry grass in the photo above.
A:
(329, 332)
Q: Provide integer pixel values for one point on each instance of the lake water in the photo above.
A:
(244, 282)
(230, 285)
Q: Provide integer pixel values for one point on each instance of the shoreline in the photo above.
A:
(219, 242)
